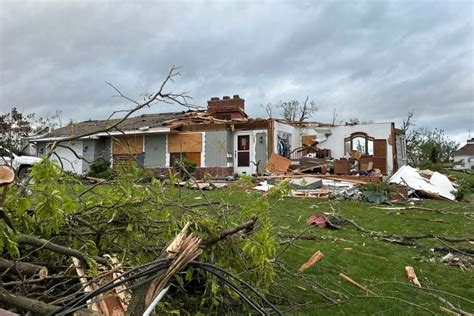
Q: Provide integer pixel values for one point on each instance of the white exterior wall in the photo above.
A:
(68, 160)
(335, 141)
(468, 162)
(294, 131)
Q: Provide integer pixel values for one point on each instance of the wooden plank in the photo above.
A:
(196, 157)
(354, 179)
(308, 140)
(278, 164)
(127, 144)
(185, 143)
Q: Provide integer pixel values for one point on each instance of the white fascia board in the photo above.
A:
(155, 130)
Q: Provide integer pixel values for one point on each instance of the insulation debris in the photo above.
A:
(314, 187)
(437, 186)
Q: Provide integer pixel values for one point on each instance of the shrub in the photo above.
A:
(184, 167)
(431, 166)
(101, 169)
(465, 188)
(245, 180)
(382, 187)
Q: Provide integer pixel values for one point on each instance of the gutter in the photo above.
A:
(156, 130)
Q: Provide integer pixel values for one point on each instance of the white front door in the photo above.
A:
(244, 153)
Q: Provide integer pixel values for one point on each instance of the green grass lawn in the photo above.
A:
(373, 262)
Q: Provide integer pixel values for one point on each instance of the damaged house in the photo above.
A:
(464, 156)
(222, 140)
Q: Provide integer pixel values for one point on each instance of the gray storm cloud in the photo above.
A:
(372, 60)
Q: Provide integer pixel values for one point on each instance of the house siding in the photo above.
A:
(401, 150)
(88, 153)
(230, 149)
(155, 151)
(216, 148)
(468, 162)
(107, 148)
(261, 151)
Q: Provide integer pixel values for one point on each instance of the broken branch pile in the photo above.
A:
(65, 242)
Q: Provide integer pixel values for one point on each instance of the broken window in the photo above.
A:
(360, 142)
(283, 144)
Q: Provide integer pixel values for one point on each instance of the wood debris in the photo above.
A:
(278, 164)
(412, 276)
(7, 175)
(360, 286)
(312, 261)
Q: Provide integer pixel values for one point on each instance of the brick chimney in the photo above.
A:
(227, 108)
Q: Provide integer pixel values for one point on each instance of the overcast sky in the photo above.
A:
(374, 60)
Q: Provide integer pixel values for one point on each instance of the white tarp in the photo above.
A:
(438, 184)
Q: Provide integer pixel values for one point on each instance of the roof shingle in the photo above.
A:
(466, 150)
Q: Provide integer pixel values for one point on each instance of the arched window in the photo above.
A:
(359, 141)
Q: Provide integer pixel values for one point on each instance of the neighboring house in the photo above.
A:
(464, 156)
(222, 140)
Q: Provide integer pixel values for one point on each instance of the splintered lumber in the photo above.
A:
(315, 258)
(183, 249)
(111, 305)
(87, 287)
(412, 276)
(360, 286)
(278, 164)
(23, 267)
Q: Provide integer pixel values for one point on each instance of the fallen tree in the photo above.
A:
(52, 217)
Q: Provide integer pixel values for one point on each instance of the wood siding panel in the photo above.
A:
(185, 142)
